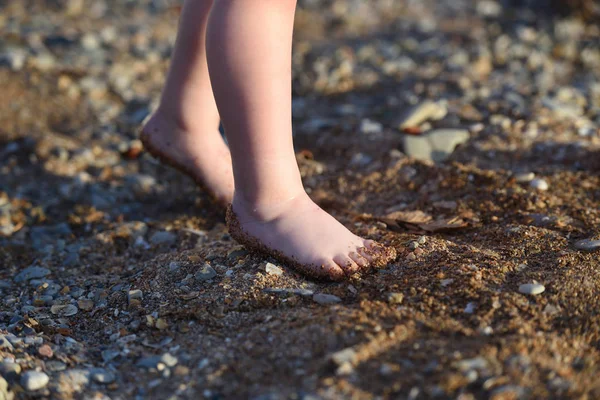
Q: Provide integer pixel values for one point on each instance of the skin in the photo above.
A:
(249, 49)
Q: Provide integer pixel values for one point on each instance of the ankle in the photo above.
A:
(268, 206)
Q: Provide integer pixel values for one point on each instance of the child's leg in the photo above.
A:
(184, 130)
(249, 56)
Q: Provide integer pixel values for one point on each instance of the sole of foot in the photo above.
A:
(370, 256)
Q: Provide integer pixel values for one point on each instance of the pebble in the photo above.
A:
(100, 375)
(4, 395)
(66, 310)
(532, 288)
(45, 351)
(34, 380)
(74, 380)
(539, 184)
(141, 183)
(436, 145)
(163, 238)
(524, 177)
(10, 370)
(395, 298)
(587, 245)
(31, 273)
(272, 269)
(55, 366)
(425, 111)
(361, 160)
(344, 356)
(476, 363)
(470, 308)
(85, 304)
(297, 291)
(369, 127)
(325, 299)
(135, 294)
(205, 273)
(4, 343)
(158, 362)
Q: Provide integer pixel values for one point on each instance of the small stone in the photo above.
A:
(66, 310)
(344, 356)
(45, 351)
(413, 245)
(85, 304)
(325, 299)
(74, 380)
(161, 324)
(361, 160)
(425, 111)
(436, 145)
(10, 371)
(422, 240)
(205, 273)
(368, 127)
(34, 380)
(157, 362)
(507, 392)
(524, 177)
(395, 298)
(163, 238)
(109, 355)
(141, 183)
(100, 375)
(31, 273)
(477, 363)
(55, 366)
(587, 245)
(470, 308)
(272, 269)
(532, 288)
(539, 184)
(5, 344)
(446, 282)
(135, 294)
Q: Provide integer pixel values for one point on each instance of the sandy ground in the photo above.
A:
(134, 261)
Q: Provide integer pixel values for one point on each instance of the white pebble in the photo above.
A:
(34, 380)
(273, 269)
(539, 184)
(532, 288)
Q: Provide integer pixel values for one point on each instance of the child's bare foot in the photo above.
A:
(300, 233)
(203, 156)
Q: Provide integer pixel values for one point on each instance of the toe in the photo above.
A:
(346, 264)
(365, 253)
(326, 269)
(361, 261)
(369, 243)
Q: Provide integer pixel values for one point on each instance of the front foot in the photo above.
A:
(301, 234)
